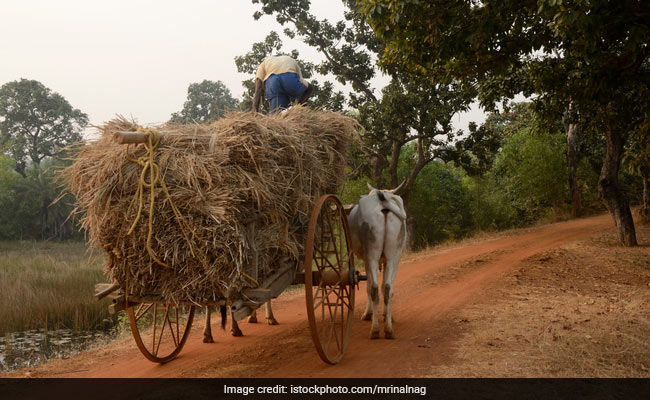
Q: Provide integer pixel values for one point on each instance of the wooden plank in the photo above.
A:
(279, 281)
(131, 137)
(159, 299)
(257, 295)
(120, 306)
(272, 287)
(104, 289)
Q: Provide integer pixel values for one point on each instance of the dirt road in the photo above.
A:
(430, 288)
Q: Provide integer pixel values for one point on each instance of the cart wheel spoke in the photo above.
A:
(142, 309)
(171, 328)
(330, 303)
(160, 329)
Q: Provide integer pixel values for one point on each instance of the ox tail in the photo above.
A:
(391, 206)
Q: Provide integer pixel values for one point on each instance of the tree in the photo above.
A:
(27, 210)
(206, 102)
(529, 167)
(8, 179)
(36, 123)
(408, 110)
(439, 201)
(592, 55)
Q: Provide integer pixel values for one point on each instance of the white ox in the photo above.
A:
(378, 233)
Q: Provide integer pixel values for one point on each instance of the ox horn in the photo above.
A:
(370, 186)
(398, 189)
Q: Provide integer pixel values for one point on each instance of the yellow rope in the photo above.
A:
(148, 164)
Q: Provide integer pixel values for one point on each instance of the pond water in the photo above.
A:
(30, 348)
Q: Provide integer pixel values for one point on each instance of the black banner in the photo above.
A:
(397, 389)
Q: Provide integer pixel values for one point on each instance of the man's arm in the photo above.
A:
(259, 89)
(305, 96)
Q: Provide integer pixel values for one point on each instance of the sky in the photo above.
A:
(137, 58)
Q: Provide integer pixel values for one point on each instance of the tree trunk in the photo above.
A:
(609, 190)
(394, 163)
(20, 168)
(378, 163)
(45, 234)
(645, 206)
(572, 163)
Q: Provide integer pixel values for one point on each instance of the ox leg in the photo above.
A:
(269, 314)
(387, 290)
(367, 315)
(396, 230)
(252, 319)
(234, 326)
(207, 331)
(373, 299)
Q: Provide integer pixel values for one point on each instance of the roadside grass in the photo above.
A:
(50, 285)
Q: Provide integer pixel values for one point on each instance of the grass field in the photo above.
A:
(49, 285)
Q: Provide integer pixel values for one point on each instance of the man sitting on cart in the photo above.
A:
(281, 79)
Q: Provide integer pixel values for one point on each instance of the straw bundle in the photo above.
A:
(219, 177)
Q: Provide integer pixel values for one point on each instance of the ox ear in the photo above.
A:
(370, 187)
(398, 189)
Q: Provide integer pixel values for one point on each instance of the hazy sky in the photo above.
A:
(137, 57)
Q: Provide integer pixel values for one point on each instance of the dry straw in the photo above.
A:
(220, 177)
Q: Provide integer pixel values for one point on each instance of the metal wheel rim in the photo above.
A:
(329, 322)
(172, 333)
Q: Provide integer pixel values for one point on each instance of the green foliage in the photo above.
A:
(590, 57)
(531, 170)
(206, 102)
(637, 155)
(588, 174)
(35, 123)
(8, 183)
(353, 189)
(518, 174)
(440, 205)
(577, 51)
(27, 207)
(492, 210)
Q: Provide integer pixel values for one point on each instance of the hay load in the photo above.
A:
(210, 182)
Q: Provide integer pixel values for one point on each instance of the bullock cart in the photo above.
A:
(326, 270)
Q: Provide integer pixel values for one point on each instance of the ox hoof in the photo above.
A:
(208, 339)
(237, 333)
(374, 335)
(390, 335)
(366, 317)
(252, 319)
(272, 321)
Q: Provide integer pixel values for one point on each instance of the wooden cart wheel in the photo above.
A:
(160, 329)
(330, 291)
